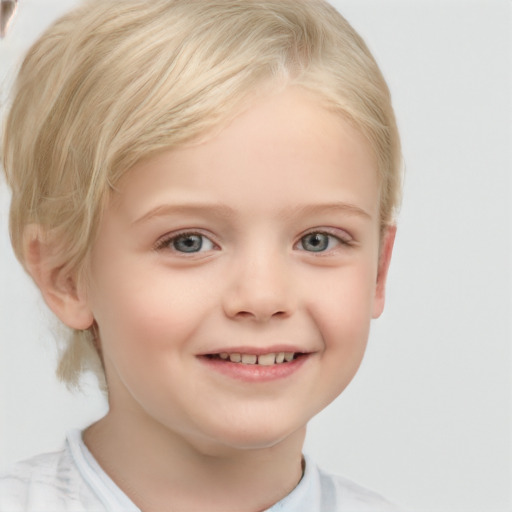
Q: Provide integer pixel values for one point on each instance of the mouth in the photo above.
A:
(269, 359)
(257, 364)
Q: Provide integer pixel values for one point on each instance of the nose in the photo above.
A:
(260, 289)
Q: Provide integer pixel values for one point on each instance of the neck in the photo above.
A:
(162, 470)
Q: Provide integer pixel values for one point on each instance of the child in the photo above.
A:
(204, 192)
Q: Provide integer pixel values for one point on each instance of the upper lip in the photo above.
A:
(257, 351)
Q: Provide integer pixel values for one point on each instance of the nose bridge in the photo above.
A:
(261, 284)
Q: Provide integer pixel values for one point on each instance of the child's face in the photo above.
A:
(262, 240)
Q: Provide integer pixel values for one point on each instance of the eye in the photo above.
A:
(318, 241)
(188, 243)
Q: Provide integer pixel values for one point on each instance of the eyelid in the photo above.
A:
(343, 236)
(164, 242)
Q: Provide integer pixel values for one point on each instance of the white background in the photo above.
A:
(427, 421)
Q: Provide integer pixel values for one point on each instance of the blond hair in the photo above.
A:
(115, 81)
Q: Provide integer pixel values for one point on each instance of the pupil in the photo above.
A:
(315, 242)
(188, 243)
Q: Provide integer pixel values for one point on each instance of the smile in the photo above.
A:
(254, 365)
(261, 359)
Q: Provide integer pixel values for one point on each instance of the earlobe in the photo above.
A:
(60, 289)
(386, 249)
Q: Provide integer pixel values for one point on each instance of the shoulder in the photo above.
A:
(321, 491)
(46, 482)
(350, 496)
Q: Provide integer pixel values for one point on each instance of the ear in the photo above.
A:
(60, 289)
(386, 249)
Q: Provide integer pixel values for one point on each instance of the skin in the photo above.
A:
(251, 194)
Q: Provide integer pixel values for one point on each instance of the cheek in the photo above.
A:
(344, 303)
(141, 319)
(342, 315)
(344, 323)
(144, 340)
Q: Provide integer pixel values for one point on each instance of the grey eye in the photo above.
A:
(188, 243)
(315, 242)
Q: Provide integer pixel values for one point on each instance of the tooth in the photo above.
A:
(224, 355)
(288, 356)
(280, 357)
(267, 359)
(249, 358)
(235, 358)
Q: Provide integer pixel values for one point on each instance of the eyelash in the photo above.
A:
(343, 240)
(168, 242)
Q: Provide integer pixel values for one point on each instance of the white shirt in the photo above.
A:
(71, 480)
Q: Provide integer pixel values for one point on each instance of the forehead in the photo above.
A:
(285, 148)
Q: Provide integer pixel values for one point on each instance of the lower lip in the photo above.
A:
(255, 372)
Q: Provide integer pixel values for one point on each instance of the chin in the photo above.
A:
(250, 438)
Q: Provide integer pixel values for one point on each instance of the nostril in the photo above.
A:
(246, 300)
(261, 315)
(244, 314)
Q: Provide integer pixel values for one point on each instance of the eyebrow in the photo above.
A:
(223, 212)
(345, 208)
(212, 209)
